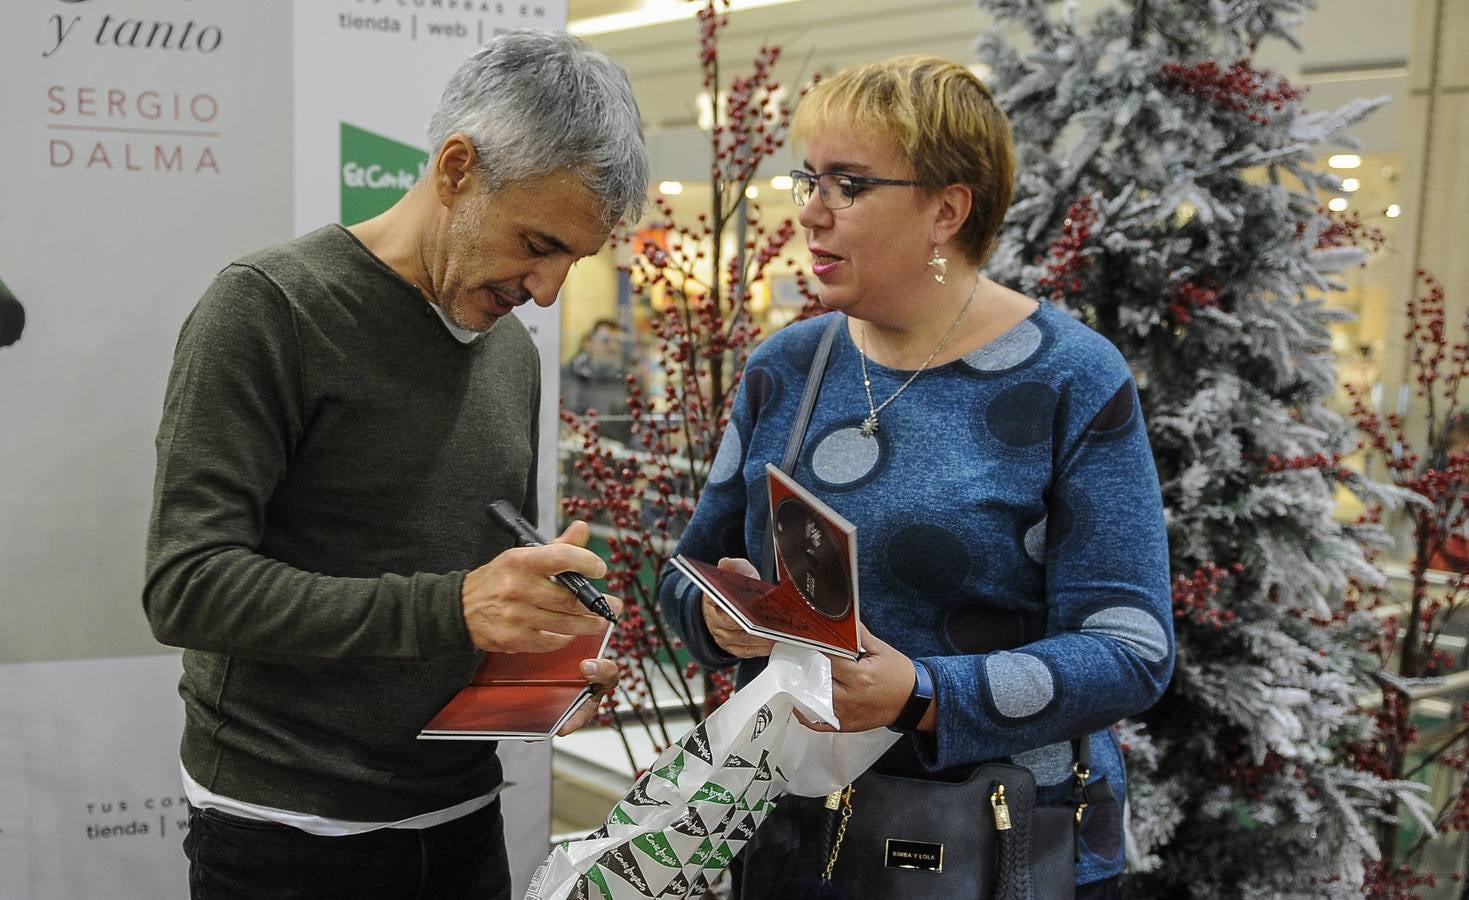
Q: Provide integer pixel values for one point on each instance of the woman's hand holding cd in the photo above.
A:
(726, 632)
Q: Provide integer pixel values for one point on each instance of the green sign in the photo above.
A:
(375, 172)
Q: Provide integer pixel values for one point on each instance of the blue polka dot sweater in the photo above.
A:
(1010, 533)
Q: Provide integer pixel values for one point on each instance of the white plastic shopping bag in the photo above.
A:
(681, 823)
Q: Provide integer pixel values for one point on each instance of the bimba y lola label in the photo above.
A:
(914, 855)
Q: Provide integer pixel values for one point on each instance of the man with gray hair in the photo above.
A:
(341, 411)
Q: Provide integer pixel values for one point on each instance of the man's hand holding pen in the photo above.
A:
(512, 605)
(510, 519)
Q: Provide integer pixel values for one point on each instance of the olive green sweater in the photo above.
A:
(325, 459)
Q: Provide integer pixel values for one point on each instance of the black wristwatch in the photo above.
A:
(918, 701)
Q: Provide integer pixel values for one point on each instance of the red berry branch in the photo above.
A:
(1429, 458)
(1240, 88)
(1067, 256)
(1195, 595)
(1346, 229)
(697, 291)
(1191, 296)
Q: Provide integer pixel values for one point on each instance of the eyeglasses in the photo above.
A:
(837, 190)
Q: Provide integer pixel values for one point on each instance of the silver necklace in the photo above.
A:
(870, 425)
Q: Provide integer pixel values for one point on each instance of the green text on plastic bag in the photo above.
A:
(659, 849)
(671, 771)
(715, 793)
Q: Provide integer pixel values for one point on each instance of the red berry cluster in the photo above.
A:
(1393, 733)
(1237, 768)
(811, 305)
(1384, 881)
(1456, 816)
(1346, 229)
(718, 686)
(1436, 362)
(1274, 463)
(1067, 257)
(1194, 596)
(1240, 88)
(1438, 367)
(1191, 296)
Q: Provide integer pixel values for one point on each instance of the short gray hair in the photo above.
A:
(535, 102)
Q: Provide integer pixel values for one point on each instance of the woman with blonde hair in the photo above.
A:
(1013, 561)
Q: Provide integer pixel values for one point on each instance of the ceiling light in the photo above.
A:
(1393, 210)
(1344, 161)
(704, 103)
(781, 182)
(1337, 204)
(752, 192)
(670, 188)
(1350, 184)
(653, 12)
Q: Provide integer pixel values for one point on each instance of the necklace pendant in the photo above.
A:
(869, 426)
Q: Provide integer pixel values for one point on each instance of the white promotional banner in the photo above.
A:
(90, 799)
(146, 144)
(142, 149)
(368, 76)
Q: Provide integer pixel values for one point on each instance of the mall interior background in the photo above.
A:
(107, 262)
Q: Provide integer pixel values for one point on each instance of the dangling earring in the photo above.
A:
(940, 263)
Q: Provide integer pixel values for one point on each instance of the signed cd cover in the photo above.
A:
(815, 602)
(520, 696)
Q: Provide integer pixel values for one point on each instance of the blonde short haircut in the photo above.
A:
(940, 117)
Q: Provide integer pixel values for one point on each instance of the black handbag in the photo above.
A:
(914, 838)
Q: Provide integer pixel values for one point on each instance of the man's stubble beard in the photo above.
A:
(464, 231)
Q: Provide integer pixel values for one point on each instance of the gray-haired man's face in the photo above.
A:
(517, 244)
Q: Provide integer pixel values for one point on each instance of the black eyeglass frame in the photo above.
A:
(814, 178)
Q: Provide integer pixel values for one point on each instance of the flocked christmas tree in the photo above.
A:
(1166, 197)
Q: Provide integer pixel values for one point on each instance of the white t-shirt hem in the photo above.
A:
(203, 798)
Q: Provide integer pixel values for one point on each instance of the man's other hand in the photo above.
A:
(601, 674)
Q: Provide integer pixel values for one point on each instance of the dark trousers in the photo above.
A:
(1106, 889)
(233, 858)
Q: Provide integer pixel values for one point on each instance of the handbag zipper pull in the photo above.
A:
(1082, 795)
(1001, 808)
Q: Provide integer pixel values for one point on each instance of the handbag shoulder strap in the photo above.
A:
(798, 427)
(808, 398)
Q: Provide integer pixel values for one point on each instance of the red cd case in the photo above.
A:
(815, 602)
(520, 696)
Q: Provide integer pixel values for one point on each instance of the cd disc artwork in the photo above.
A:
(809, 548)
(811, 598)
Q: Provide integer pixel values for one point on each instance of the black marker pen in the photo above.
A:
(512, 521)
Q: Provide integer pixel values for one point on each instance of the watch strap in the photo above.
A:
(918, 701)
